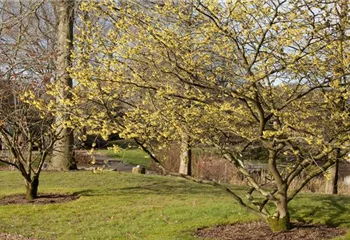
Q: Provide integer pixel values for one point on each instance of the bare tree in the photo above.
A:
(27, 132)
(30, 43)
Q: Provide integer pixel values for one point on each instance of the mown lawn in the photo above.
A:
(134, 156)
(125, 206)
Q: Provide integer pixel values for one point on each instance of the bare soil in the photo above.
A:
(261, 231)
(5, 168)
(6, 236)
(42, 199)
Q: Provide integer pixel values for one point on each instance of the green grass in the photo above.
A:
(125, 206)
(137, 156)
(123, 143)
(117, 206)
(134, 156)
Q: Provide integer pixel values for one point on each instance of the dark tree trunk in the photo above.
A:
(332, 185)
(335, 177)
(32, 188)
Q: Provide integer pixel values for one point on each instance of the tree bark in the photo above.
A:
(279, 224)
(185, 156)
(281, 220)
(63, 157)
(332, 184)
(32, 188)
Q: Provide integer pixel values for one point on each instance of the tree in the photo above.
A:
(27, 40)
(63, 157)
(102, 105)
(27, 133)
(257, 73)
(339, 71)
(30, 44)
(28, 52)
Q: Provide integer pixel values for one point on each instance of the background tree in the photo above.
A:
(108, 104)
(28, 53)
(340, 65)
(27, 40)
(29, 47)
(63, 157)
(256, 73)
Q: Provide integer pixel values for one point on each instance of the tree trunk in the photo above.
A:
(279, 224)
(32, 188)
(185, 156)
(281, 221)
(63, 158)
(332, 184)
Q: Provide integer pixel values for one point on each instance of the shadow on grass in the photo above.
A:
(86, 192)
(307, 208)
(325, 209)
(156, 187)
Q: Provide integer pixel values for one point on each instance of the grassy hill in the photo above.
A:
(125, 206)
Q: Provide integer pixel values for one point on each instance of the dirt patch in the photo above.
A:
(42, 199)
(261, 231)
(82, 157)
(6, 168)
(6, 236)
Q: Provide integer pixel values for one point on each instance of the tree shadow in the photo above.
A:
(328, 209)
(166, 188)
(86, 192)
(158, 187)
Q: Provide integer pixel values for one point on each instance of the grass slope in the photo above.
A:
(134, 156)
(125, 206)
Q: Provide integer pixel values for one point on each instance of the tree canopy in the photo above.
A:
(231, 74)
